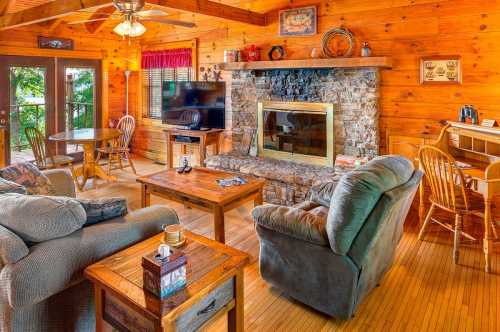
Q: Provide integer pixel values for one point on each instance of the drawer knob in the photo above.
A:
(207, 309)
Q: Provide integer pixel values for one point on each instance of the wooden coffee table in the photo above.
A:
(200, 189)
(214, 288)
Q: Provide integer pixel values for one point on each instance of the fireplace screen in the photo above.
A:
(295, 132)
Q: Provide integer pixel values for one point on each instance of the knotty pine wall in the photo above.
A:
(402, 29)
(116, 54)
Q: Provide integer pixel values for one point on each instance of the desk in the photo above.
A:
(207, 137)
(88, 138)
(479, 147)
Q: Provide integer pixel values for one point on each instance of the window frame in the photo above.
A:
(143, 100)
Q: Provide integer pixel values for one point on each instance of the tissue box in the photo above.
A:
(164, 277)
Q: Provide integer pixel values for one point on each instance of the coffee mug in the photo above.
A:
(173, 235)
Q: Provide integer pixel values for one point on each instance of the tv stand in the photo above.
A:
(206, 138)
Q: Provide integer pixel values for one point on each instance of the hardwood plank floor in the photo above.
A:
(423, 291)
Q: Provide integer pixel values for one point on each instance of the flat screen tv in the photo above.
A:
(194, 105)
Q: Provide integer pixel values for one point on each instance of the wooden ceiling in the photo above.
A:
(50, 14)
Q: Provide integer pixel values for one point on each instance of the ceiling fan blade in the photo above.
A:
(87, 21)
(170, 22)
(151, 12)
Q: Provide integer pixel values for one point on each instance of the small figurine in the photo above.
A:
(315, 53)
(185, 168)
(216, 74)
(204, 74)
(467, 112)
(366, 50)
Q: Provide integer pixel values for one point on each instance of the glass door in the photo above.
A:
(79, 97)
(27, 102)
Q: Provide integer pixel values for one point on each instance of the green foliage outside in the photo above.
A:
(83, 98)
(28, 106)
(28, 84)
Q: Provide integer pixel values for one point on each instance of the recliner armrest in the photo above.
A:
(322, 193)
(293, 222)
(62, 180)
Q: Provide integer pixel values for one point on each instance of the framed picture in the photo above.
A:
(441, 70)
(298, 21)
(55, 43)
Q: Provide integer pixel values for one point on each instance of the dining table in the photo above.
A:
(88, 138)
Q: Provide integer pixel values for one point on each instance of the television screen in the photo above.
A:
(194, 105)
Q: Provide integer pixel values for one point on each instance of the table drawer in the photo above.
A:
(206, 308)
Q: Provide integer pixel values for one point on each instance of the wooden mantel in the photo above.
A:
(358, 62)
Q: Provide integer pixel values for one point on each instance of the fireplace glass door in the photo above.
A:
(295, 132)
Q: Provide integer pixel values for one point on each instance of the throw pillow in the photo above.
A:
(12, 248)
(29, 176)
(11, 187)
(41, 218)
(103, 209)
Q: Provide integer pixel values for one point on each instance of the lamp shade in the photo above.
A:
(127, 28)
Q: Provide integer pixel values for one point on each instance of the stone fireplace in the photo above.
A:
(296, 131)
(348, 96)
(353, 91)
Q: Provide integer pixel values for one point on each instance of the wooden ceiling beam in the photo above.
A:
(48, 11)
(94, 27)
(214, 9)
(4, 6)
(51, 25)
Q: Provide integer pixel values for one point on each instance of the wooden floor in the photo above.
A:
(424, 290)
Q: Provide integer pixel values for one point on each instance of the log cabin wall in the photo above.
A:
(116, 54)
(403, 29)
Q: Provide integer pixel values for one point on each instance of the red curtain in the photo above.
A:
(174, 58)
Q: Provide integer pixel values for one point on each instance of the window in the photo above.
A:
(152, 80)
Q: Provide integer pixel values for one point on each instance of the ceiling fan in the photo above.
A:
(131, 13)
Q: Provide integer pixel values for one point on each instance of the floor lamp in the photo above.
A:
(127, 75)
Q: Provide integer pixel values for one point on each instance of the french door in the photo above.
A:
(78, 99)
(26, 100)
(50, 94)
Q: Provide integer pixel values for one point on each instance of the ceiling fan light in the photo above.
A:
(123, 29)
(137, 29)
(127, 28)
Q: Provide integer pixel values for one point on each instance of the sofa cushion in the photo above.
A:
(293, 222)
(11, 187)
(103, 208)
(53, 265)
(41, 218)
(12, 248)
(29, 176)
(356, 195)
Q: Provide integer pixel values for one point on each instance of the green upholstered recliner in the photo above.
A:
(331, 251)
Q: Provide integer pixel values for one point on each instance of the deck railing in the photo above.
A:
(33, 115)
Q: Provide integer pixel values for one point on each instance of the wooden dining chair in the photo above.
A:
(44, 159)
(118, 150)
(449, 192)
